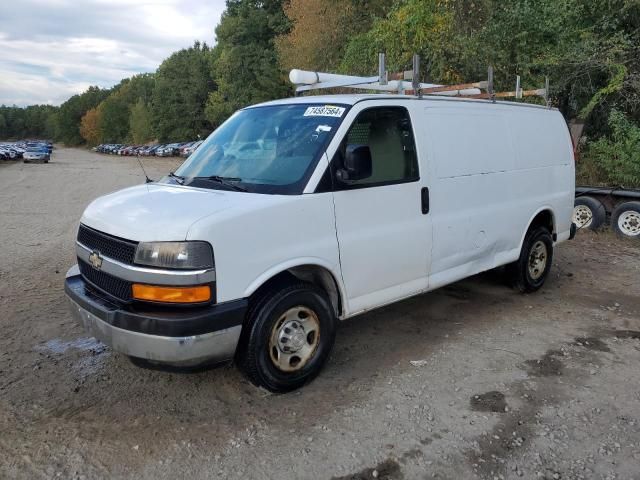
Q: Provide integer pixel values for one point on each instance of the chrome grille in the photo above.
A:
(116, 287)
(109, 246)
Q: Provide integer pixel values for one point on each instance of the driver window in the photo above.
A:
(388, 134)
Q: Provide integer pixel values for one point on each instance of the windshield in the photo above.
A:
(271, 149)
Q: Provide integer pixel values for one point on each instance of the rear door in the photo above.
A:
(383, 228)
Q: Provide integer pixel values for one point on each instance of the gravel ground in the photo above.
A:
(470, 381)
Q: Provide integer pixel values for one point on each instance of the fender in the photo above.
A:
(297, 262)
(541, 209)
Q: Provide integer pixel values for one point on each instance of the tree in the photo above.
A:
(140, 123)
(425, 27)
(72, 111)
(114, 111)
(51, 125)
(113, 118)
(23, 122)
(246, 66)
(89, 127)
(311, 45)
(3, 126)
(182, 84)
(614, 159)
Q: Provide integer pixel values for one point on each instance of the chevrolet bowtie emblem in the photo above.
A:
(95, 260)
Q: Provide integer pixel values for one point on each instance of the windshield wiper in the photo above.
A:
(178, 178)
(226, 181)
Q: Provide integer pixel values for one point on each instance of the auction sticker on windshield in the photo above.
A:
(324, 111)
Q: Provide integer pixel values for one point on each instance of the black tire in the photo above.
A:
(625, 220)
(266, 312)
(592, 207)
(519, 273)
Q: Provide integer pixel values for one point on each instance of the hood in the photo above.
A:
(156, 212)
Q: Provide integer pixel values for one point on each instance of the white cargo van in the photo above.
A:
(297, 213)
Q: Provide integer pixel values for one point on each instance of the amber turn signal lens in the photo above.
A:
(154, 293)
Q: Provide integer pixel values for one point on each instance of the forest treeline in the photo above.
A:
(590, 49)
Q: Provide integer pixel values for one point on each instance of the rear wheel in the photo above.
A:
(287, 338)
(625, 220)
(530, 271)
(588, 213)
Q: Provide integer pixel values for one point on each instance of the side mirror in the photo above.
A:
(357, 164)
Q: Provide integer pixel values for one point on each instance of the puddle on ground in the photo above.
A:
(489, 402)
(591, 343)
(86, 344)
(547, 366)
(412, 454)
(94, 353)
(387, 470)
(633, 334)
(92, 365)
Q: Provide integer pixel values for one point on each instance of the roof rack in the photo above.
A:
(408, 83)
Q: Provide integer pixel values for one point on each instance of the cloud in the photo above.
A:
(52, 49)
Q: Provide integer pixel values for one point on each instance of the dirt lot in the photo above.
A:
(471, 381)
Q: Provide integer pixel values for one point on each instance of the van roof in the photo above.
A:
(350, 99)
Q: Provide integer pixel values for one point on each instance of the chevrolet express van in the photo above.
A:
(297, 213)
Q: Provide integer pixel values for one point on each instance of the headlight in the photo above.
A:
(183, 255)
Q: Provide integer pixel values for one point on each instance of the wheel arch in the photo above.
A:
(543, 217)
(308, 270)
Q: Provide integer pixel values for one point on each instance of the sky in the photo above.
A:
(53, 49)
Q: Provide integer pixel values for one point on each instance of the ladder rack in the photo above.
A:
(407, 83)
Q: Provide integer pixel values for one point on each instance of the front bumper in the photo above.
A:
(179, 337)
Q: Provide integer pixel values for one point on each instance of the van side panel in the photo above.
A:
(492, 167)
(545, 165)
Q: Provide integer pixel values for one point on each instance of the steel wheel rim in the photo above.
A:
(629, 223)
(538, 260)
(294, 339)
(582, 216)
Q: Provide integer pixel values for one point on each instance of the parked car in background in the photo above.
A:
(42, 144)
(183, 149)
(152, 150)
(192, 147)
(166, 150)
(144, 150)
(10, 151)
(36, 153)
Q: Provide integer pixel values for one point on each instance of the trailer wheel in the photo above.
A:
(625, 220)
(588, 213)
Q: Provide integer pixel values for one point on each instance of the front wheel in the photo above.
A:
(530, 271)
(287, 337)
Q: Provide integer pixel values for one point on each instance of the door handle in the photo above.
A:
(424, 196)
